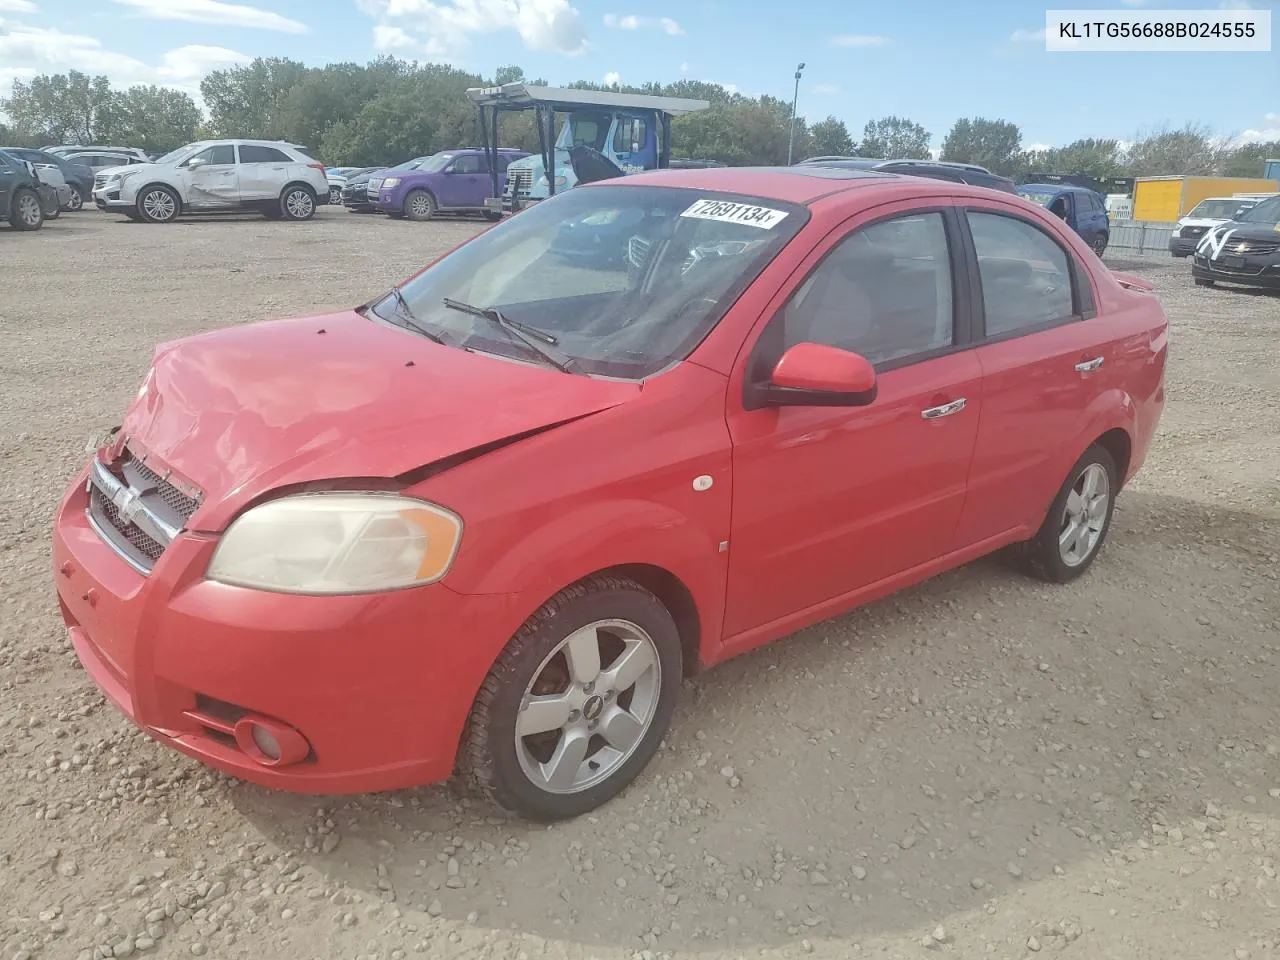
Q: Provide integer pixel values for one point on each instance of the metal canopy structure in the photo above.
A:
(546, 102)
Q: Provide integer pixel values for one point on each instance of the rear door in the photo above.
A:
(1044, 361)
(263, 171)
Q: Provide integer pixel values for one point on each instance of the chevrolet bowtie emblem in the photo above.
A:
(128, 503)
(1241, 248)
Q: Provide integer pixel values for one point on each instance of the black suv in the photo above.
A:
(21, 204)
(969, 173)
(78, 175)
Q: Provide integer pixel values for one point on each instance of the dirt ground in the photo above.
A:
(982, 766)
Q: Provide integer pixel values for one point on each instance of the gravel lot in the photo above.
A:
(982, 766)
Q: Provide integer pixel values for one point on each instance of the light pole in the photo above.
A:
(791, 139)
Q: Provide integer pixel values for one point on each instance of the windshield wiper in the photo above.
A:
(409, 321)
(531, 337)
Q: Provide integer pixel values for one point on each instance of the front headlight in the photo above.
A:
(391, 182)
(329, 543)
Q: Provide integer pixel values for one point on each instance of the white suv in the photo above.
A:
(216, 176)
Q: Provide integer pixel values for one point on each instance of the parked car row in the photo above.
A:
(30, 195)
(1243, 250)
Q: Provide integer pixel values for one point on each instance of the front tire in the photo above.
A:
(77, 199)
(419, 205)
(335, 195)
(298, 203)
(27, 213)
(1077, 524)
(158, 204)
(1202, 282)
(1099, 244)
(577, 703)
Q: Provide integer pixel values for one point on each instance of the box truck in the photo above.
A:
(1168, 199)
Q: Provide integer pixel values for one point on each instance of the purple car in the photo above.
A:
(451, 181)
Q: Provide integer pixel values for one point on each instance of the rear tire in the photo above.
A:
(1099, 244)
(570, 655)
(1076, 526)
(297, 202)
(492, 216)
(77, 199)
(1201, 282)
(26, 212)
(419, 205)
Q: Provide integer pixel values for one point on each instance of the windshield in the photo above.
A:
(1268, 211)
(173, 156)
(435, 163)
(1218, 209)
(585, 129)
(625, 279)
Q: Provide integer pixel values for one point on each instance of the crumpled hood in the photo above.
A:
(241, 411)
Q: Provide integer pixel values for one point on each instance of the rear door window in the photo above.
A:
(1025, 274)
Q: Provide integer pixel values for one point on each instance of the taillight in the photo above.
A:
(316, 166)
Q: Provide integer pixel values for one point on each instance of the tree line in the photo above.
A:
(390, 109)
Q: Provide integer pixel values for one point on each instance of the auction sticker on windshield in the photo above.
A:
(728, 212)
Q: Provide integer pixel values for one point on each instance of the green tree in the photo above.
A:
(249, 101)
(994, 144)
(155, 118)
(1191, 151)
(895, 138)
(830, 138)
(1250, 159)
(70, 107)
(1091, 157)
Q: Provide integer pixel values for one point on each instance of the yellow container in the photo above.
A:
(1167, 199)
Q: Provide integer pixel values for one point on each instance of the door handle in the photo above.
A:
(1088, 366)
(946, 410)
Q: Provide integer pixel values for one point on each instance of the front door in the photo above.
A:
(829, 500)
(1043, 365)
(465, 182)
(630, 144)
(215, 181)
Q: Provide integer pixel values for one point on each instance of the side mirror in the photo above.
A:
(196, 162)
(814, 374)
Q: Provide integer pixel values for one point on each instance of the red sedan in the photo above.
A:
(487, 522)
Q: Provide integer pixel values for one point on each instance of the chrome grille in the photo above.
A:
(1251, 248)
(99, 182)
(519, 182)
(1190, 233)
(136, 510)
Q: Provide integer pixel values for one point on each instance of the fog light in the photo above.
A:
(266, 742)
(270, 742)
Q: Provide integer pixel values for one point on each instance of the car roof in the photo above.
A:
(802, 184)
(1055, 187)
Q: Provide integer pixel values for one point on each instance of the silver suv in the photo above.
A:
(276, 179)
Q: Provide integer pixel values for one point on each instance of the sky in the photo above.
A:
(930, 60)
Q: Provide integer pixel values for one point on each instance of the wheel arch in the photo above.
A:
(404, 202)
(298, 183)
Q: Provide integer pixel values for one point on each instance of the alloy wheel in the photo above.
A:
(159, 205)
(29, 210)
(421, 205)
(1085, 515)
(588, 707)
(76, 201)
(299, 204)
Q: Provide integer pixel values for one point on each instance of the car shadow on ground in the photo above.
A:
(918, 758)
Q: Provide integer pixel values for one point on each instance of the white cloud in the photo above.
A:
(391, 38)
(859, 40)
(684, 67)
(1272, 118)
(1264, 135)
(214, 12)
(29, 51)
(631, 22)
(1039, 147)
(1028, 36)
(442, 29)
(17, 6)
(825, 89)
(612, 79)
